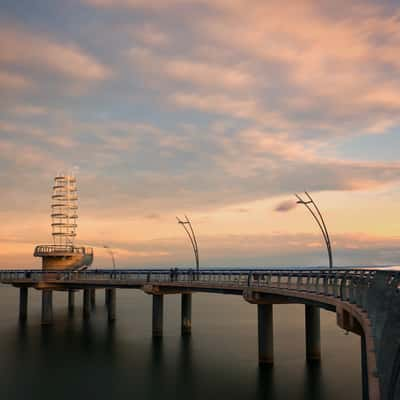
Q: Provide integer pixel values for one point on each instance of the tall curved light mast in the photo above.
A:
(64, 210)
(110, 251)
(315, 212)
(192, 237)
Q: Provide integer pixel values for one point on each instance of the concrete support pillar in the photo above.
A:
(71, 301)
(23, 304)
(265, 334)
(93, 298)
(106, 296)
(158, 302)
(47, 306)
(186, 315)
(111, 304)
(86, 303)
(313, 335)
(364, 368)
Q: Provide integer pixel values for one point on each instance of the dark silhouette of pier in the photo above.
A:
(366, 302)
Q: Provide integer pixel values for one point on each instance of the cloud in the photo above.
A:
(331, 56)
(196, 72)
(211, 104)
(22, 48)
(28, 110)
(285, 206)
(296, 249)
(147, 4)
(152, 36)
(12, 81)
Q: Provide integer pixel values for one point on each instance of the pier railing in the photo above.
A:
(347, 285)
(50, 249)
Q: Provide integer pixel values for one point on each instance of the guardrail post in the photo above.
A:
(158, 303)
(47, 306)
(186, 317)
(23, 304)
(342, 294)
(316, 284)
(265, 334)
(298, 282)
(335, 288)
(71, 301)
(313, 336)
(326, 285)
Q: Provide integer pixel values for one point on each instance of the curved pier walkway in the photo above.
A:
(366, 302)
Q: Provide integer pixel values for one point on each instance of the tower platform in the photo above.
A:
(56, 257)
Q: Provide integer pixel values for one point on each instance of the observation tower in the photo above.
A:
(63, 254)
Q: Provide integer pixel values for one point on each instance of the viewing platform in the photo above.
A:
(60, 257)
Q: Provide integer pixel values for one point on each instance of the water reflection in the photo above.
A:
(77, 359)
(313, 381)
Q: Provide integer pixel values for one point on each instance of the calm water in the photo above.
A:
(77, 360)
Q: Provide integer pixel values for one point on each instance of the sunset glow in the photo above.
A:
(220, 110)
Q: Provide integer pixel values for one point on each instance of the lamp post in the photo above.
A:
(314, 210)
(111, 253)
(186, 223)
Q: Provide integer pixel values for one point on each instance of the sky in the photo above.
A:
(218, 109)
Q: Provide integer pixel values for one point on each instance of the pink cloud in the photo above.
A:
(19, 47)
(234, 106)
(199, 73)
(151, 36)
(12, 81)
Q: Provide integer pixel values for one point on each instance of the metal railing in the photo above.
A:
(346, 284)
(49, 249)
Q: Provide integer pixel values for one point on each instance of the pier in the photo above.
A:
(366, 302)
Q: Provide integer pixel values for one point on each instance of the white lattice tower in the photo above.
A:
(64, 210)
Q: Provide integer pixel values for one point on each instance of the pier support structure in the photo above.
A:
(23, 304)
(71, 301)
(364, 368)
(92, 298)
(106, 296)
(158, 305)
(313, 335)
(111, 306)
(86, 303)
(47, 306)
(186, 314)
(265, 334)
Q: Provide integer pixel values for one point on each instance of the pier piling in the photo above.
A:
(186, 314)
(158, 303)
(47, 306)
(86, 303)
(364, 368)
(71, 301)
(23, 304)
(106, 297)
(313, 336)
(93, 298)
(265, 334)
(111, 304)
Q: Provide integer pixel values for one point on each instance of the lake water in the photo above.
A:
(92, 360)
